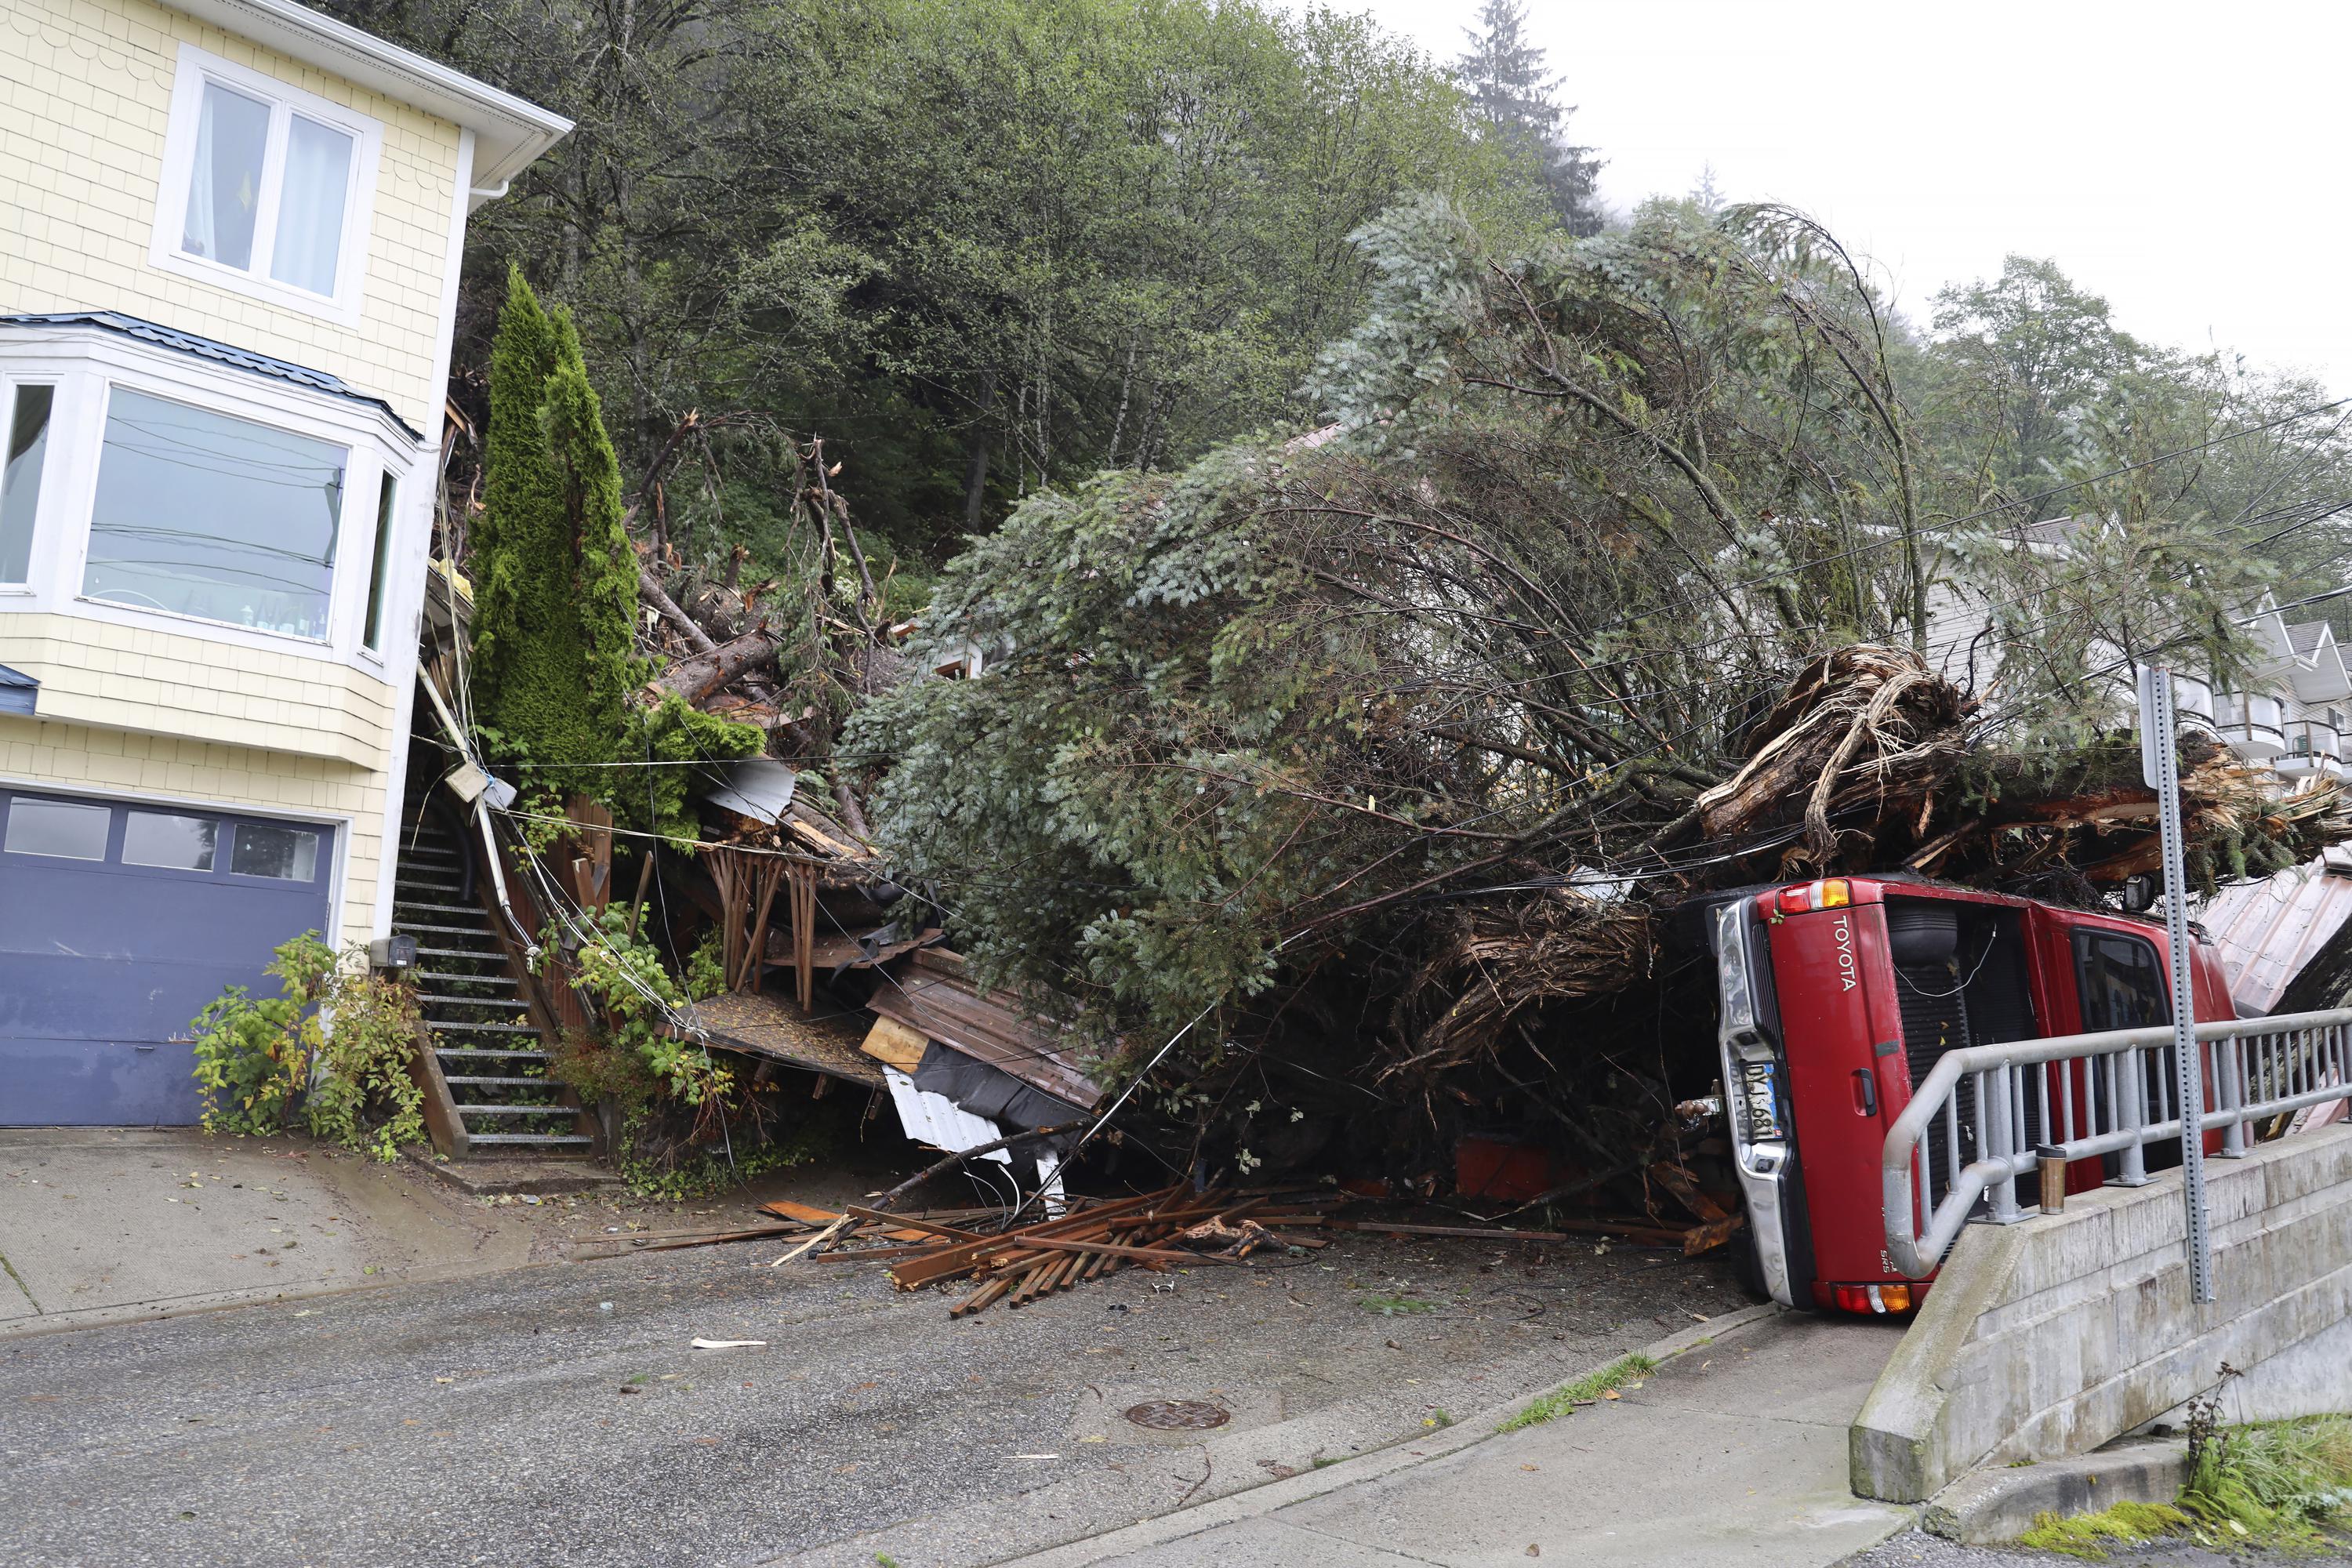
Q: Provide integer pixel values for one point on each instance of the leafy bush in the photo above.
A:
(333, 1044)
(624, 975)
(362, 1097)
(254, 1056)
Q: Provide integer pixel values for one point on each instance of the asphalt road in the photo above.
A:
(518, 1420)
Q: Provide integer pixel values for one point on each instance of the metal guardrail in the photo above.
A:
(1985, 1116)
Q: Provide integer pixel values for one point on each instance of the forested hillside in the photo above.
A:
(983, 246)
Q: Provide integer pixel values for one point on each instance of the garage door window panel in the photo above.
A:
(281, 854)
(57, 829)
(171, 842)
(221, 519)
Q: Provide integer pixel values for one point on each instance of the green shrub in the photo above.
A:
(2273, 1483)
(363, 1097)
(334, 1044)
(624, 976)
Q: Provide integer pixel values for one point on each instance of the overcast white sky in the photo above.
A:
(2187, 162)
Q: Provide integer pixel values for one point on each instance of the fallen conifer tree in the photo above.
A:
(1367, 764)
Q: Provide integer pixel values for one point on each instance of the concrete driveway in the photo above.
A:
(102, 1225)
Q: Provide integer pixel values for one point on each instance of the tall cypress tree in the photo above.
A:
(554, 658)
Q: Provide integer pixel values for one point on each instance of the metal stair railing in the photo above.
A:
(2089, 1096)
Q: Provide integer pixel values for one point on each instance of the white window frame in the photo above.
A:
(196, 70)
(85, 365)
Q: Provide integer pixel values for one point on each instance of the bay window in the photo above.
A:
(204, 514)
(182, 490)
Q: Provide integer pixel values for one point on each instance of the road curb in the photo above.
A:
(1405, 1452)
(1993, 1506)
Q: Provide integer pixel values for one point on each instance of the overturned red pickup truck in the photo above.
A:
(1837, 997)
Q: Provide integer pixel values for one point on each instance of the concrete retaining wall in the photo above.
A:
(2047, 1338)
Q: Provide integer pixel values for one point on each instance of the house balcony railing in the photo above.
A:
(2312, 750)
(2254, 727)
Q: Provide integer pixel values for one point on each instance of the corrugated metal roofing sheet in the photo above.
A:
(207, 348)
(2268, 931)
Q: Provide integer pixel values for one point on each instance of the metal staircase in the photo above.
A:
(490, 1053)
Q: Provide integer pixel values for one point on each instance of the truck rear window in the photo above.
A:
(2124, 986)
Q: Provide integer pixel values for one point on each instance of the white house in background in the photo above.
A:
(229, 242)
(2293, 715)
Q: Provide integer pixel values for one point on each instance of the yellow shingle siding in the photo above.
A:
(85, 100)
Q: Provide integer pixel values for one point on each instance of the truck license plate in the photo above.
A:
(1762, 1104)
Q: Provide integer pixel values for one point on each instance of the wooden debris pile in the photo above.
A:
(1154, 1231)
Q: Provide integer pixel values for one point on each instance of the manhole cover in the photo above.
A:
(1178, 1414)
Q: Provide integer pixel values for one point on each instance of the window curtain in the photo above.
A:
(198, 236)
(310, 207)
(225, 179)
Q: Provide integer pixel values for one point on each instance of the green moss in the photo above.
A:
(1564, 1399)
(2091, 1536)
(676, 731)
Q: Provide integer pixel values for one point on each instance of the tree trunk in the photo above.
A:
(654, 594)
(975, 462)
(697, 677)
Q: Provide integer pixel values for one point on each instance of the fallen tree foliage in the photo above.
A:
(1380, 756)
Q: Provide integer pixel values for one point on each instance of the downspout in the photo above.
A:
(480, 802)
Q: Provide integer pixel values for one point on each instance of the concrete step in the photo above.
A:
(552, 1139)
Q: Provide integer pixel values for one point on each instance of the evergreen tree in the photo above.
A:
(555, 658)
(553, 622)
(1517, 99)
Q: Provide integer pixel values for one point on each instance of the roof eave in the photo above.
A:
(508, 132)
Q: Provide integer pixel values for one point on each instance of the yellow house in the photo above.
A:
(230, 233)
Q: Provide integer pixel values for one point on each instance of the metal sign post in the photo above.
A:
(2159, 759)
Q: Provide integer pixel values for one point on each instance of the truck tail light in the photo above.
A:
(1879, 1299)
(1831, 894)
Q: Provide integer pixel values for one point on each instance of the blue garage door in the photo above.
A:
(117, 923)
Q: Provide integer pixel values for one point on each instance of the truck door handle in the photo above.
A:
(1866, 1091)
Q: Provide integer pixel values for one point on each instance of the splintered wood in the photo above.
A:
(1151, 1230)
